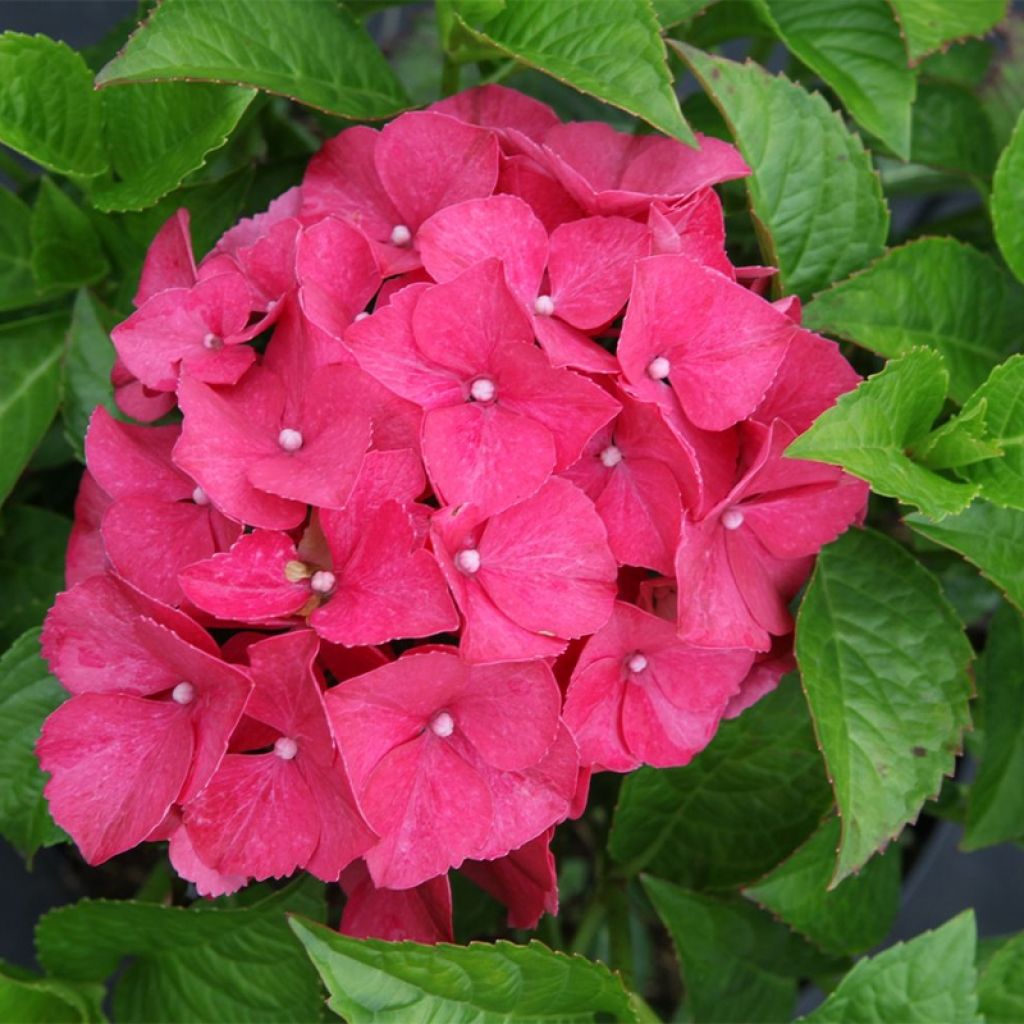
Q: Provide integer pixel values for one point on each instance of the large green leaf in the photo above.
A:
(856, 48)
(484, 983)
(159, 132)
(1001, 984)
(28, 998)
(989, 537)
(936, 292)
(868, 432)
(960, 441)
(201, 964)
(65, 250)
(48, 110)
(612, 51)
(951, 131)
(931, 24)
(17, 283)
(817, 200)
(28, 693)
(883, 659)
(851, 918)
(737, 964)
(929, 979)
(32, 546)
(733, 813)
(1002, 91)
(995, 805)
(30, 353)
(1008, 201)
(313, 52)
(674, 12)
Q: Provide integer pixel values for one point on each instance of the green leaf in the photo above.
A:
(28, 693)
(951, 132)
(48, 110)
(868, 431)
(965, 63)
(315, 53)
(65, 250)
(158, 133)
(1001, 985)
(816, 199)
(931, 978)
(851, 918)
(31, 999)
(674, 12)
(931, 24)
(612, 51)
(737, 964)
(1002, 91)
(17, 284)
(856, 48)
(995, 807)
(371, 980)
(961, 440)
(87, 367)
(32, 546)
(989, 537)
(30, 353)
(1008, 201)
(201, 964)
(883, 660)
(733, 813)
(936, 292)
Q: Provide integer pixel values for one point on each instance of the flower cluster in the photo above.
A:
(469, 481)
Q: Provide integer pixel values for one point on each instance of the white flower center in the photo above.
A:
(483, 389)
(322, 582)
(290, 440)
(468, 561)
(183, 693)
(442, 724)
(659, 368)
(544, 305)
(285, 748)
(362, 316)
(200, 497)
(636, 663)
(611, 456)
(400, 235)
(732, 518)
(213, 342)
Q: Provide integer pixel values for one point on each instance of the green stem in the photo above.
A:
(620, 936)
(500, 73)
(450, 72)
(590, 925)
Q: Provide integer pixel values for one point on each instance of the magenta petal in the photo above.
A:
(248, 583)
(118, 763)
(420, 914)
(169, 262)
(503, 227)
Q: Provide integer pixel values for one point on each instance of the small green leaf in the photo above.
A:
(856, 48)
(960, 441)
(30, 354)
(931, 978)
(28, 693)
(737, 964)
(32, 546)
(201, 964)
(995, 806)
(31, 999)
(951, 132)
(733, 813)
(931, 24)
(17, 283)
(868, 432)
(936, 292)
(612, 51)
(883, 659)
(158, 133)
(65, 250)
(989, 537)
(816, 199)
(1008, 201)
(1001, 985)
(484, 983)
(314, 52)
(851, 918)
(48, 110)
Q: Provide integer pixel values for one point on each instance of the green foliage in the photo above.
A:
(928, 979)
(30, 999)
(314, 52)
(889, 702)
(950, 131)
(370, 980)
(17, 282)
(817, 202)
(737, 810)
(28, 693)
(203, 964)
(931, 24)
(65, 250)
(1008, 201)
(1001, 985)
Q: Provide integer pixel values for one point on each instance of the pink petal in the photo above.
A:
(85, 553)
(420, 914)
(169, 262)
(695, 228)
(134, 399)
(498, 107)
(566, 346)
(520, 176)
(118, 763)
(593, 714)
(767, 583)
(250, 230)
(344, 834)
(187, 864)
(764, 676)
